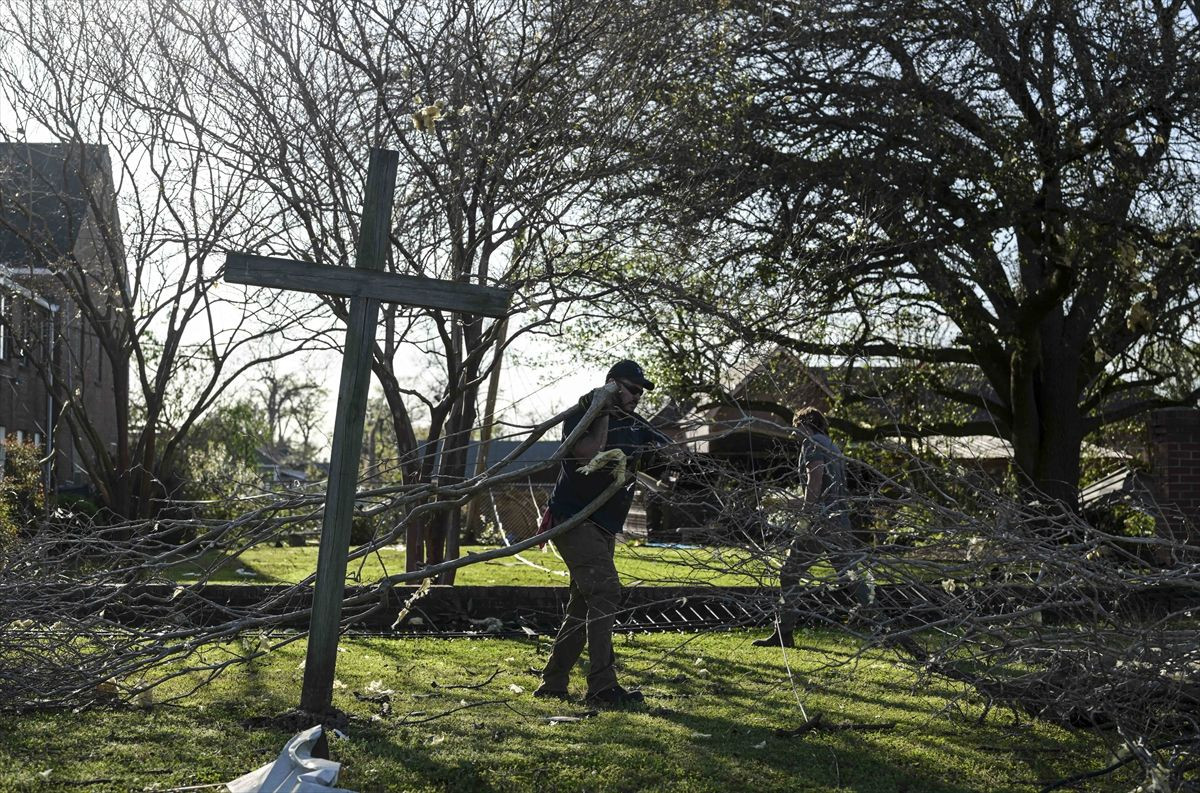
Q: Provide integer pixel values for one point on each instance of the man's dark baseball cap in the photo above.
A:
(629, 370)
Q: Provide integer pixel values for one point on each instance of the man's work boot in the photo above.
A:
(551, 693)
(615, 696)
(776, 639)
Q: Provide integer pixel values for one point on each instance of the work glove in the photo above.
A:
(585, 402)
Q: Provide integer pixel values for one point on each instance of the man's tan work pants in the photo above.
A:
(595, 597)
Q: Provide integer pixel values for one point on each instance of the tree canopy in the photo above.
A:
(1007, 188)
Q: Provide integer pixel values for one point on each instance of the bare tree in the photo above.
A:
(498, 111)
(157, 206)
(292, 403)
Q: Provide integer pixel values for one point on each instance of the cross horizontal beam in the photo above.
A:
(244, 268)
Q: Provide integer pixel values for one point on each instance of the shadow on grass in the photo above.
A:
(630, 750)
(461, 717)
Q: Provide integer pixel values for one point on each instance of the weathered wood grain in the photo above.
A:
(293, 275)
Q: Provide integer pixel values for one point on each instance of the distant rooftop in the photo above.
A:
(538, 453)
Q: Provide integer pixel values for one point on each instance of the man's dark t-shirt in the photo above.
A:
(574, 490)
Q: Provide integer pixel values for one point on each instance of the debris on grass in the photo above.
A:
(488, 624)
(490, 678)
(587, 714)
(294, 769)
(297, 719)
(818, 724)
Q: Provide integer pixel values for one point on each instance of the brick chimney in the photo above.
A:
(1175, 468)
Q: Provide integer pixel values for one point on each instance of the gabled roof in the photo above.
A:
(536, 454)
(782, 377)
(43, 198)
(279, 471)
(539, 452)
(786, 379)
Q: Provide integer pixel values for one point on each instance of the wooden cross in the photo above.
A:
(366, 285)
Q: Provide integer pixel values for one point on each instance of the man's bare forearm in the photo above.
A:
(592, 442)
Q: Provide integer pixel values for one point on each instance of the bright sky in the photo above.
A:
(529, 393)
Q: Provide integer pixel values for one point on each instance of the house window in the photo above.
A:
(20, 329)
(4, 326)
(35, 330)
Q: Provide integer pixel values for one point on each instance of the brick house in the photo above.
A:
(57, 211)
(1174, 481)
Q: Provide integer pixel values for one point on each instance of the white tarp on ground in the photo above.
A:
(294, 771)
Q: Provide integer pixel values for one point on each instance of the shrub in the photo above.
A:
(22, 493)
(362, 530)
(77, 504)
(1123, 520)
(215, 480)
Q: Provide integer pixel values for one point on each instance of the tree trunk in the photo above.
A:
(454, 467)
(145, 475)
(1057, 471)
(406, 449)
(1047, 427)
(489, 419)
(121, 486)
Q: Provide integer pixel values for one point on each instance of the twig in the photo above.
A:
(455, 710)
(84, 782)
(1072, 780)
(818, 723)
(491, 677)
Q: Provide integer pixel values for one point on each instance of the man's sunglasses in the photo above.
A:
(634, 390)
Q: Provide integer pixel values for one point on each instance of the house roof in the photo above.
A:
(782, 377)
(268, 462)
(536, 454)
(1123, 483)
(43, 199)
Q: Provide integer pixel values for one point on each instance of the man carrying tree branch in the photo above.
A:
(588, 548)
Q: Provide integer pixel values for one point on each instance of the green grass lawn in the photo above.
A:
(637, 564)
(462, 718)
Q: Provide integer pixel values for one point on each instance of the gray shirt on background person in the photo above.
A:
(834, 496)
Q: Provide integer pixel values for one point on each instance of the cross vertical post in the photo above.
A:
(365, 285)
(317, 693)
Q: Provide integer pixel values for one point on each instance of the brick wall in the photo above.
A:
(1175, 467)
